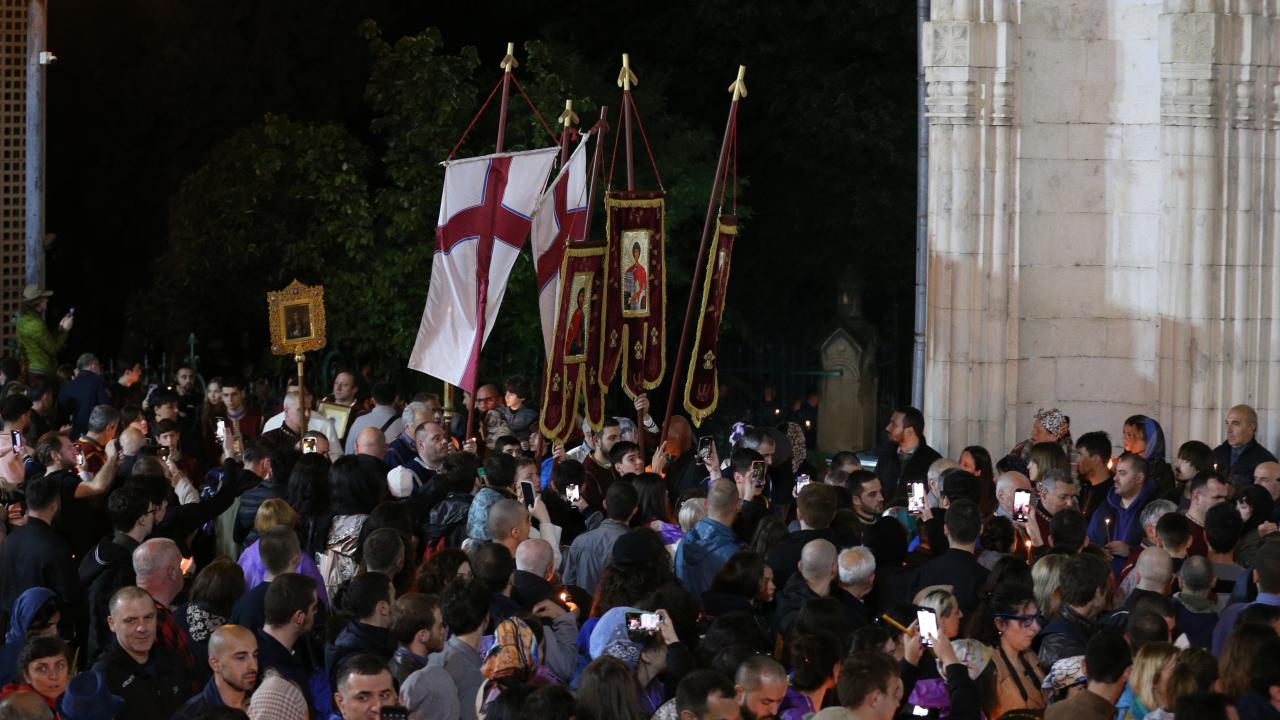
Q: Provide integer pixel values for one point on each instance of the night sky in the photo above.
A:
(144, 89)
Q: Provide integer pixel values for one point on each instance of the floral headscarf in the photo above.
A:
(514, 653)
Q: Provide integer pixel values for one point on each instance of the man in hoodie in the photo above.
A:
(368, 602)
(816, 570)
(709, 544)
(109, 565)
(1117, 526)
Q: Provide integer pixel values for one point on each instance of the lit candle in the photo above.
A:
(1028, 552)
(1111, 464)
(1108, 522)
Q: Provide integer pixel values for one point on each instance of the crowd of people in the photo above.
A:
(208, 550)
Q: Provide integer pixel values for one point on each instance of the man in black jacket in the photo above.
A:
(815, 509)
(908, 457)
(258, 466)
(150, 679)
(108, 566)
(1084, 597)
(35, 555)
(958, 567)
(367, 603)
(1240, 453)
(815, 573)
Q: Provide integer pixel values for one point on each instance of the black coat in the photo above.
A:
(785, 556)
(957, 568)
(35, 555)
(155, 690)
(357, 638)
(1241, 473)
(106, 568)
(894, 476)
(793, 597)
(250, 501)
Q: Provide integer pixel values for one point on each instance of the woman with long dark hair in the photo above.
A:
(655, 509)
(310, 496)
(1007, 622)
(976, 461)
(355, 494)
(1256, 507)
(744, 583)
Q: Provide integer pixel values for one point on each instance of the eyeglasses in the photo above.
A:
(1026, 621)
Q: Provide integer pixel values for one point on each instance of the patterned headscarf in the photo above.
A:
(1052, 420)
(795, 436)
(610, 638)
(514, 653)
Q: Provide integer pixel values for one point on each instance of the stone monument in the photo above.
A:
(846, 413)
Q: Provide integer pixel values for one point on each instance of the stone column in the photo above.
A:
(969, 379)
(1219, 334)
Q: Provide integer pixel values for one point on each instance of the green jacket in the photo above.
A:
(38, 345)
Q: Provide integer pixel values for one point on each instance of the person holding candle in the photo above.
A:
(1116, 526)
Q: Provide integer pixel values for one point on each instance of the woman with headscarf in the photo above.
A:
(1144, 436)
(1049, 426)
(515, 658)
(643, 650)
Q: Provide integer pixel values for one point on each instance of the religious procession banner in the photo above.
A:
(702, 388)
(573, 366)
(635, 332)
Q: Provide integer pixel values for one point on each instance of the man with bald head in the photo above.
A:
(1006, 484)
(1267, 475)
(814, 573)
(150, 678)
(508, 524)
(157, 563)
(233, 657)
(709, 544)
(1240, 453)
(534, 556)
(413, 479)
(1154, 571)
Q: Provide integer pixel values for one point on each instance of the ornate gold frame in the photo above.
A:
(296, 295)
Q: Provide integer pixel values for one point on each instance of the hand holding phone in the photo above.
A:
(528, 493)
(801, 481)
(571, 493)
(1021, 505)
(220, 429)
(308, 445)
(915, 500)
(706, 445)
(642, 626)
(758, 470)
(928, 621)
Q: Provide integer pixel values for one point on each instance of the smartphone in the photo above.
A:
(308, 445)
(163, 451)
(393, 712)
(915, 500)
(916, 711)
(758, 468)
(1021, 505)
(16, 437)
(705, 446)
(928, 620)
(571, 493)
(237, 446)
(221, 430)
(641, 626)
(528, 493)
(72, 312)
(801, 481)
(79, 457)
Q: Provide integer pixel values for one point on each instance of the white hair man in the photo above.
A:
(856, 575)
(285, 428)
(404, 448)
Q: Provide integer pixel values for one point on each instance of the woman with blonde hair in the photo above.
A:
(942, 601)
(1150, 668)
(1046, 576)
(1194, 671)
(271, 513)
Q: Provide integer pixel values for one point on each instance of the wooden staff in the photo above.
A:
(739, 90)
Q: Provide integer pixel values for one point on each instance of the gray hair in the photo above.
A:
(292, 399)
(816, 559)
(103, 417)
(1155, 510)
(857, 566)
(1006, 481)
(87, 361)
(155, 555)
(1051, 477)
(1196, 574)
(410, 410)
(937, 467)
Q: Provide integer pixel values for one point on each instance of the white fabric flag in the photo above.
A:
(560, 218)
(485, 214)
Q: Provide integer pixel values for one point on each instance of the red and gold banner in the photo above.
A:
(702, 388)
(574, 363)
(634, 329)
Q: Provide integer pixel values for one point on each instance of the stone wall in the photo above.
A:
(1102, 220)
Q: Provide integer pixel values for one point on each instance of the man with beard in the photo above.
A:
(908, 457)
(233, 656)
(868, 498)
(761, 683)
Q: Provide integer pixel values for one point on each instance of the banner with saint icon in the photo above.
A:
(573, 366)
(635, 333)
(702, 388)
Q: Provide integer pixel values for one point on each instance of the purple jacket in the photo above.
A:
(255, 572)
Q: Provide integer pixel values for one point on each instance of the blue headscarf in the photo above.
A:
(1154, 434)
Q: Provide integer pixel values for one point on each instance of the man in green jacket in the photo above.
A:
(35, 343)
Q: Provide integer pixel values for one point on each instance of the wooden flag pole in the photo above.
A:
(567, 119)
(482, 284)
(739, 90)
(626, 79)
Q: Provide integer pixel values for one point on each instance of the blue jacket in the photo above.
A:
(701, 554)
(1126, 523)
(77, 399)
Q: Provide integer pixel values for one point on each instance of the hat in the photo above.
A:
(87, 698)
(400, 482)
(529, 589)
(609, 637)
(33, 292)
(631, 549)
(277, 698)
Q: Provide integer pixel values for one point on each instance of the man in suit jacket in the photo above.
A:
(958, 566)
(908, 458)
(1240, 453)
